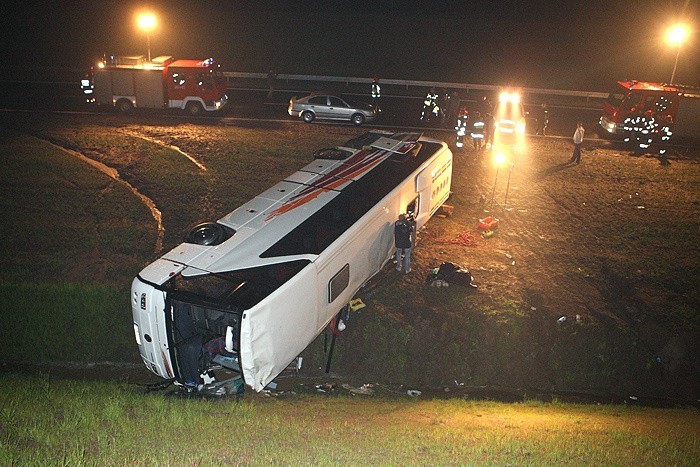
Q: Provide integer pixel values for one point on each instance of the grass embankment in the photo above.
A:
(65, 323)
(71, 239)
(575, 242)
(46, 421)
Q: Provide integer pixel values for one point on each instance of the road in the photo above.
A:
(398, 112)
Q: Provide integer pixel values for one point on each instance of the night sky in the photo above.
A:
(581, 45)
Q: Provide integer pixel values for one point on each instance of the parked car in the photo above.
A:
(331, 107)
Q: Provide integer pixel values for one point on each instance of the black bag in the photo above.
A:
(454, 274)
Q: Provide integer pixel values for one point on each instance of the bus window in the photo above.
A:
(338, 283)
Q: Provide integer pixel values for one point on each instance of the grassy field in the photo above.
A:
(74, 238)
(44, 421)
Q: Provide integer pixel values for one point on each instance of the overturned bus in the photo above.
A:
(242, 297)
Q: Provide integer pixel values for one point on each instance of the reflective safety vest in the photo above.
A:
(376, 90)
(478, 129)
(643, 128)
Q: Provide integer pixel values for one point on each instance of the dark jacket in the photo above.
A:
(402, 233)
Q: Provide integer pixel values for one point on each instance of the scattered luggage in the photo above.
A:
(450, 273)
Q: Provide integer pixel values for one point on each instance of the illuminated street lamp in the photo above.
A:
(677, 34)
(147, 22)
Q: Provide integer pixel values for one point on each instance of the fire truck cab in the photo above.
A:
(195, 86)
(674, 103)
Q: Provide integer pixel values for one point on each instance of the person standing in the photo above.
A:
(578, 141)
(477, 131)
(404, 230)
(489, 130)
(271, 78)
(452, 109)
(430, 106)
(461, 127)
(376, 91)
(542, 120)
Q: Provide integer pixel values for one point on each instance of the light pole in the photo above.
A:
(505, 201)
(147, 22)
(499, 159)
(676, 35)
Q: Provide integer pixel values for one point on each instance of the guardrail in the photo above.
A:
(396, 84)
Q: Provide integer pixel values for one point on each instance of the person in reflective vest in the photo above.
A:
(430, 106)
(461, 126)
(663, 137)
(376, 89)
(489, 130)
(477, 131)
(641, 128)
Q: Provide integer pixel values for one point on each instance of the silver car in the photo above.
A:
(331, 107)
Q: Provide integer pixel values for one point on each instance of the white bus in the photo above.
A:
(248, 293)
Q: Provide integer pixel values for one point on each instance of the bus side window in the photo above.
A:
(338, 283)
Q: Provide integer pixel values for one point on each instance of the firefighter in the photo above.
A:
(485, 106)
(477, 131)
(663, 137)
(452, 108)
(542, 120)
(461, 126)
(430, 106)
(641, 128)
(489, 130)
(376, 90)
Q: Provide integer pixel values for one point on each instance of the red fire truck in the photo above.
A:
(633, 101)
(195, 86)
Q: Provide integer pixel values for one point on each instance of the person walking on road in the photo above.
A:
(578, 141)
(271, 78)
(542, 120)
(404, 230)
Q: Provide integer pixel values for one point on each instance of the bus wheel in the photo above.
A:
(207, 233)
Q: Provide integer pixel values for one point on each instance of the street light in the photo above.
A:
(676, 35)
(147, 22)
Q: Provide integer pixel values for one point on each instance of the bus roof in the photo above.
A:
(303, 214)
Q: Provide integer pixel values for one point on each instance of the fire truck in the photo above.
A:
(633, 101)
(125, 83)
